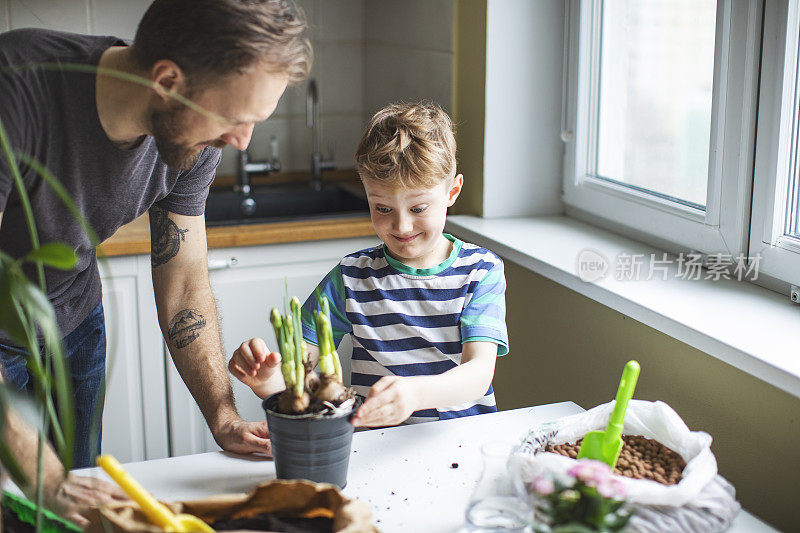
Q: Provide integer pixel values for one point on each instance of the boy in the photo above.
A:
(425, 310)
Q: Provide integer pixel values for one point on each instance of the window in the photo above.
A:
(794, 230)
(656, 75)
(775, 226)
(659, 119)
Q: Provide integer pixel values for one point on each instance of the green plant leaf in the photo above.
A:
(41, 377)
(25, 407)
(12, 466)
(30, 303)
(24, 307)
(10, 319)
(62, 381)
(617, 521)
(8, 460)
(27, 210)
(36, 305)
(54, 254)
(318, 296)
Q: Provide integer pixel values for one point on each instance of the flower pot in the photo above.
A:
(19, 515)
(313, 447)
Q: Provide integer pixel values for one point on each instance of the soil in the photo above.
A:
(314, 407)
(272, 522)
(640, 458)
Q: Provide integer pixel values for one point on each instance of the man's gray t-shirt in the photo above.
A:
(50, 113)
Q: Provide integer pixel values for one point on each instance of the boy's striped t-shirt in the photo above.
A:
(410, 322)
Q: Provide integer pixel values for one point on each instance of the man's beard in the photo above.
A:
(167, 125)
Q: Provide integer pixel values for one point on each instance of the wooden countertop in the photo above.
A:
(134, 238)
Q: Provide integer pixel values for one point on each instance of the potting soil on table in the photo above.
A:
(271, 522)
(641, 458)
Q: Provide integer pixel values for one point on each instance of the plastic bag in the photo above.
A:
(701, 501)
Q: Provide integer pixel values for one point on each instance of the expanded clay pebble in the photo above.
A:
(640, 458)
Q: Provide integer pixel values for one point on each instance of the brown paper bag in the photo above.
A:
(296, 498)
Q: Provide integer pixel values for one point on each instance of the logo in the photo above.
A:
(591, 266)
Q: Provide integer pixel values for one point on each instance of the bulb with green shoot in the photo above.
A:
(330, 387)
(303, 384)
(287, 332)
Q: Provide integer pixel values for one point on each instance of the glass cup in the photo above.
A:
(499, 502)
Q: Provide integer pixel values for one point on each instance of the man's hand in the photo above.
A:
(76, 494)
(254, 364)
(390, 402)
(239, 436)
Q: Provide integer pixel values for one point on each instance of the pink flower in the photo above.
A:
(592, 473)
(543, 486)
(611, 488)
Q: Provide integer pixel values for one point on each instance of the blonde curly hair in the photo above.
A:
(408, 146)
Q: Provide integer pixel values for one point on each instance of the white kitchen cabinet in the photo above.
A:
(248, 282)
(134, 417)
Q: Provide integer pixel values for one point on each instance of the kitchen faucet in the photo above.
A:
(318, 164)
(245, 167)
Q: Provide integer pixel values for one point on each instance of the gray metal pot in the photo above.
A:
(313, 448)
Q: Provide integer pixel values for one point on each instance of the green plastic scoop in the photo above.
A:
(606, 445)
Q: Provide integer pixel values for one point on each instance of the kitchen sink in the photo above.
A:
(281, 204)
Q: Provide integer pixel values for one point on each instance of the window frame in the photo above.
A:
(777, 153)
(724, 226)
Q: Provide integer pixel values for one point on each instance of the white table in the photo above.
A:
(404, 473)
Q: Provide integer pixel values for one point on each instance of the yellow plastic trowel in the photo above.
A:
(156, 512)
(606, 445)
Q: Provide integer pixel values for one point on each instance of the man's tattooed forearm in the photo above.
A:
(165, 237)
(185, 327)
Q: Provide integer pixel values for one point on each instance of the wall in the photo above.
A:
(522, 146)
(469, 97)
(408, 52)
(565, 346)
(508, 71)
(366, 53)
(336, 34)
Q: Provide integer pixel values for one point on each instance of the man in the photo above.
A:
(206, 71)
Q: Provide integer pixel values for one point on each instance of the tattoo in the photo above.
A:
(165, 237)
(185, 327)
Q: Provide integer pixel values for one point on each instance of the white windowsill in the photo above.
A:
(747, 326)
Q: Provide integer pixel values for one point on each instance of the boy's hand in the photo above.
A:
(391, 401)
(253, 364)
